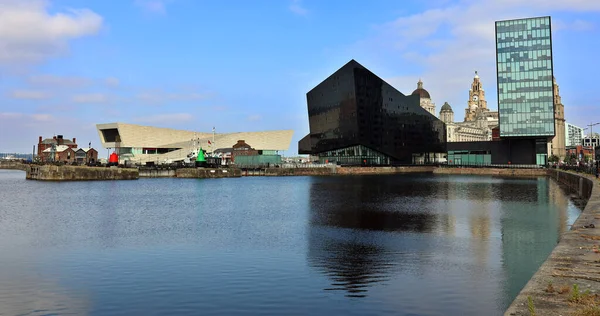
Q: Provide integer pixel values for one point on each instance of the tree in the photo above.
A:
(554, 158)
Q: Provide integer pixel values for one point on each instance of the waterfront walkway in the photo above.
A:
(568, 283)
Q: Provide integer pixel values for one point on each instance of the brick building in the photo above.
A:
(85, 156)
(580, 151)
(59, 140)
(62, 153)
(243, 149)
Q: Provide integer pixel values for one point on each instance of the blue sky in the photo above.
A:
(247, 65)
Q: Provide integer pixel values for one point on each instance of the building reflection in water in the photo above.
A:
(26, 291)
(531, 230)
(465, 230)
(350, 225)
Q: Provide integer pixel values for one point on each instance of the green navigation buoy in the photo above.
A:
(200, 160)
(200, 157)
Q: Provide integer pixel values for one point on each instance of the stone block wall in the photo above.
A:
(77, 173)
(207, 173)
(382, 170)
(493, 171)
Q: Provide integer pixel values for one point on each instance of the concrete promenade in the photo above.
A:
(568, 282)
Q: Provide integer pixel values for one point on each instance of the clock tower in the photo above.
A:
(476, 101)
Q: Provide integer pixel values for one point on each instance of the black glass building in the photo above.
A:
(357, 118)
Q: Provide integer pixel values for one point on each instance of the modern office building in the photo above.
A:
(357, 118)
(574, 135)
(525, 82)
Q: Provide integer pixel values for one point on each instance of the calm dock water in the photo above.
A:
(351, 245)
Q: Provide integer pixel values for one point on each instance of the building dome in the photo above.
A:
(420, 91)
(446, 108)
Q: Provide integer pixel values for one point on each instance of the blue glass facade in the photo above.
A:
(524, 69)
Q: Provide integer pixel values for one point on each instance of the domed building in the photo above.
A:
(446, 113)
(425, 98)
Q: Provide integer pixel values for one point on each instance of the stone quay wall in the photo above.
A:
(493, 171)
(12, 165)
(383, 170)
(336, 170)
(208, 173)
(157, 173)
(79, 173)
(568, 282)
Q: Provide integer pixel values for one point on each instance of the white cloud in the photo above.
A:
(448, 44)
(42, 117)
(39, 117)
(58, 81)
(165, 118)
(29, 33)
(10, 115)
(29, 95)
(297, 8)
(90, 98)
(254, 118)
(29, 126)
(112, 82)
(153, 6)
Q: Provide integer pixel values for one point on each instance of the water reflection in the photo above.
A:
(400, 244)
(530, 231)
(343, 212)
(366, 231)
(23, 292)
(373, 203)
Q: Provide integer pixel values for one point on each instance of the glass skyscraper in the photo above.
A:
(524, 69)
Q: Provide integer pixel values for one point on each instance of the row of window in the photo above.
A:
(524, 66)
(546, 112)
(513, 99)
(524, 117)
(542, 129)
(531, 45)
(543, 87)
(523, 49)
(532, 54)
(544, 77)
(522, 35)
(529, 23)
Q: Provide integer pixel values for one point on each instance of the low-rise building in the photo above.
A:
(580, 152)
(58, 140)
(84, 156)
(60, 153)
(591, 141)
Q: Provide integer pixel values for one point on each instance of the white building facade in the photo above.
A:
(574, 135)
